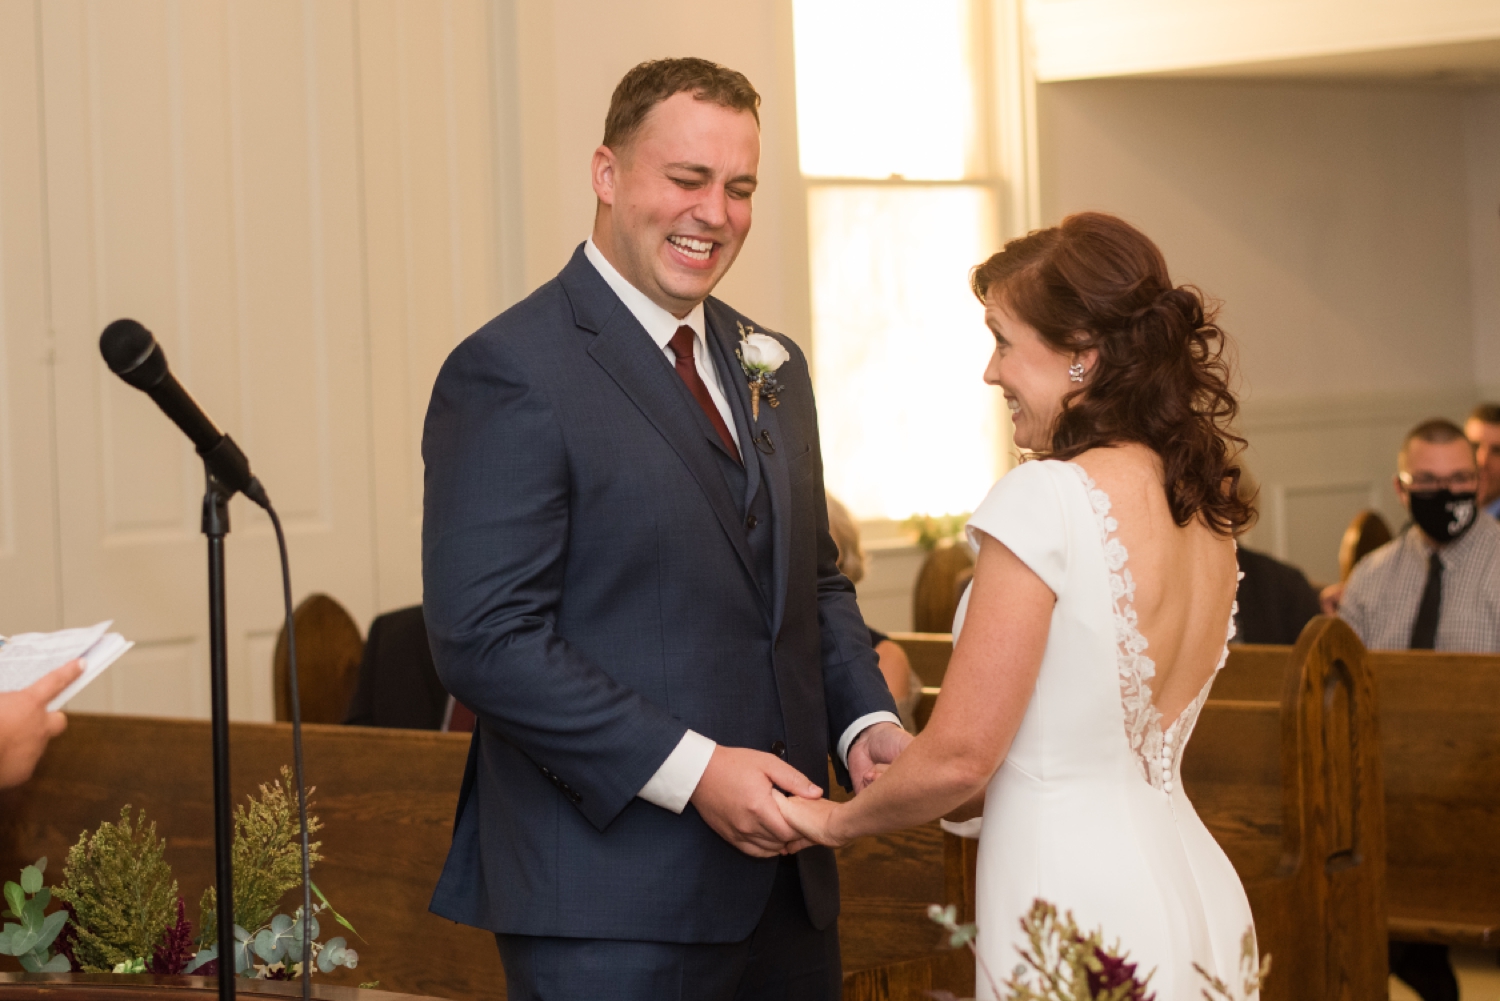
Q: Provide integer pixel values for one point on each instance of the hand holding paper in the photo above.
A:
(26, 724)
(26, 657)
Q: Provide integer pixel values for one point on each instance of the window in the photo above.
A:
(901, 202)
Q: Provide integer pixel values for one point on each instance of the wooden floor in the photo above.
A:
(1478, 977)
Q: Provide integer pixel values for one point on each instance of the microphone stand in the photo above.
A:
(216, 526)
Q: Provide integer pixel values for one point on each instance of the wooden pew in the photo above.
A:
(1440, 727)
(386, 799)
(1292, 791)
(1284, 772)
(928, 653)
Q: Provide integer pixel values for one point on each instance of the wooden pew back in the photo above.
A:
(386, 799)
(1309, 842)
(1440, 730)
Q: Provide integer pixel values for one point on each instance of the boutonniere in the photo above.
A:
(760, 356)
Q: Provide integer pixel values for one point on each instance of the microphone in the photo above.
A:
(133, 354)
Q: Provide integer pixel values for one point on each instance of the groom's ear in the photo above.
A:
(603, 171)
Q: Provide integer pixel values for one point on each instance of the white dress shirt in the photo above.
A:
(662, 326)
(678, 777)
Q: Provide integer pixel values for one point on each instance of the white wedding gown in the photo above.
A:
(1087, 811)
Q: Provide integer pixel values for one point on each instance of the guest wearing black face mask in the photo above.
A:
(1436, 586)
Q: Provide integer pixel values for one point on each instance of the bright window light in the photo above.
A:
(901, 204)
(900, 346)
(885, 88)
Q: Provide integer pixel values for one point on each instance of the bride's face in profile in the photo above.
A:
(1033, 374)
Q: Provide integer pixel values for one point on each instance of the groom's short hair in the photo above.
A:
(655, 80)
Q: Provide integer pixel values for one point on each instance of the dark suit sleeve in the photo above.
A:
(494, 548)
(852, 683)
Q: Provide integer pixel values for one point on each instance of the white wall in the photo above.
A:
(573, 52)
(1349, 230)
(299, 199)
(1079, 39)
(1481, 124)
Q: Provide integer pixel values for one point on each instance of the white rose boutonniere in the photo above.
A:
(760, 356)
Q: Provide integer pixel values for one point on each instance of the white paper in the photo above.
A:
(27, 657)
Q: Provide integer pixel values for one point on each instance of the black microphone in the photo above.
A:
(133, 354)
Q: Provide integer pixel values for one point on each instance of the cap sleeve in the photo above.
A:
(1024, 511)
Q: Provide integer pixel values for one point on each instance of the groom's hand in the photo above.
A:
(737, 797)
(873, 750)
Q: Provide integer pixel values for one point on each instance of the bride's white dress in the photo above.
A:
(1087, 811)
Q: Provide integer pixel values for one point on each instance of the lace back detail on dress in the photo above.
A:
(1156, 751)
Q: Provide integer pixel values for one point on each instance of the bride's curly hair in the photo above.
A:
(1161, 379)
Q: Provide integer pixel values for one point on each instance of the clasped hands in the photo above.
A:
(765, 807)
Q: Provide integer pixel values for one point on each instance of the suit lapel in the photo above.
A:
(626, 352)
(720, 324)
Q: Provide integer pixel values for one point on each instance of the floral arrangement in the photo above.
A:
(1061, 963)
(121, 912)
(935, 530)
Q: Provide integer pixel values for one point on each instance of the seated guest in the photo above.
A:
(905, 685)
(26, 726)
(1275, 600)
(1483, 429)
(398, 682)
(1436, 586)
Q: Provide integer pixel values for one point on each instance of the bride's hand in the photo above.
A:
(811, 818)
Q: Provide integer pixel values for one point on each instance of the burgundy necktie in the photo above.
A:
(682, 346)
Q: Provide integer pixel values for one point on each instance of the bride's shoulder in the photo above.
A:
(1126, 471)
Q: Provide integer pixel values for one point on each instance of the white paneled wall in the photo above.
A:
(434, 261)
(30, 592)
(298, 198)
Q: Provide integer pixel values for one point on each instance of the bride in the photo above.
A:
(1102, 598)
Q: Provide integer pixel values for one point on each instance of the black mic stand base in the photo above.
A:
(216, 526)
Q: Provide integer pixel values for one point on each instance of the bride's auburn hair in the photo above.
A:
(1161, 378)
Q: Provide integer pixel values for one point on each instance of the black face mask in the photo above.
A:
(1443, 514)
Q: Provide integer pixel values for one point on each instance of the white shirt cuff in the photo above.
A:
(963, 828)
(858, 727)
(676, 780)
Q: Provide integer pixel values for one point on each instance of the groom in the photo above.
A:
(629, 578)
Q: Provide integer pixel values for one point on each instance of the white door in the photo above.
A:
(202, 178)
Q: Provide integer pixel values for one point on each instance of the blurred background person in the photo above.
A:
(905, 685)
(1483, 431)
(26, 726)
(1436, 586)
(1274, 599)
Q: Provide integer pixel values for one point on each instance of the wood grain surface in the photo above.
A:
(1440, 741)
(1292, 790)
(386, 799)
(144, 987)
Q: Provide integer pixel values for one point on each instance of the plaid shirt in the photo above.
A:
(1380, 601)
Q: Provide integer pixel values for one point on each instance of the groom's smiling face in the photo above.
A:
(675, 200)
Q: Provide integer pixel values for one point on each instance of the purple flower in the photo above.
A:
(1113, 973)
(176, 949)
(68, 936)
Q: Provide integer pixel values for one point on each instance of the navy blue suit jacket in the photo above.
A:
(590, 593)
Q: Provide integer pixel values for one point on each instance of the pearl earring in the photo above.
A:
(1075, 372)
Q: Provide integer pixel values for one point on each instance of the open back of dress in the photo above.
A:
(1086, 811)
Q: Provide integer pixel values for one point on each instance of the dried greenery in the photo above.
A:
(1253, 972)
(267, 857)
(1061, 963)
(121, 892)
